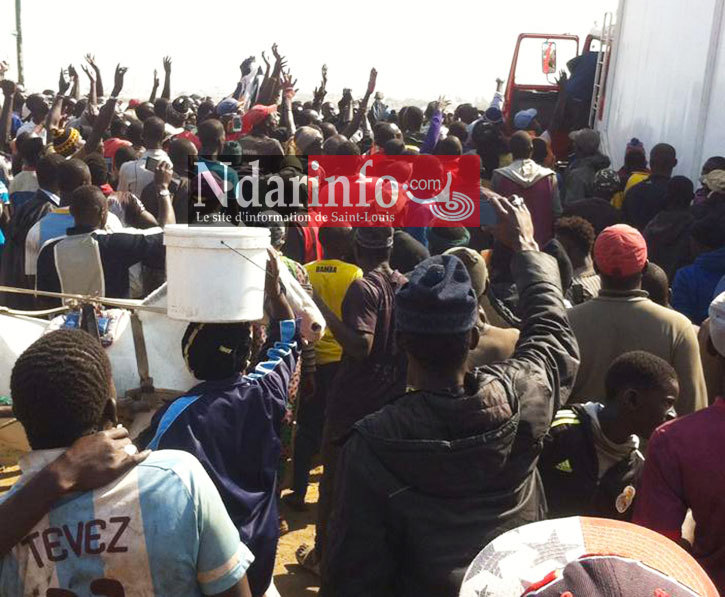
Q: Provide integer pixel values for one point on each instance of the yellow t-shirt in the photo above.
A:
(330, 279)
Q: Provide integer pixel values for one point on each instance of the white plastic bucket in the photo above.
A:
(208, 281)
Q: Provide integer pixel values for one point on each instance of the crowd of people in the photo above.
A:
(568, 361)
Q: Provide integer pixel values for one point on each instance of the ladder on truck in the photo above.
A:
(600, 74)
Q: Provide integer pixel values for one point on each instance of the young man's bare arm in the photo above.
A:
(91, 462)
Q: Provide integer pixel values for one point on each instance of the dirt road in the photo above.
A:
(290, 579)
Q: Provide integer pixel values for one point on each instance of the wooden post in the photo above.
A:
(19, 41)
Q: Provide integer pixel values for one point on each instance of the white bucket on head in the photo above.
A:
(208, 280)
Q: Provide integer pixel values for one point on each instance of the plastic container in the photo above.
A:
(215, 275)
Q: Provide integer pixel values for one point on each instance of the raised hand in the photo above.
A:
(72, 72)
(563, 78)
(4, 67)
(442, 104)
(319, 94)
(275, 52)
(324, 74)
(288, 86)
(91, 76)
(118, 80)
(8, 87)
(91, 60)
(371, 81)
(156, 78)
(246, 65)
(163, 175)
(515, 228)
(167, 64)
(266, 62)
(63, 83)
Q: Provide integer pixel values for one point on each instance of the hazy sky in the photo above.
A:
(421, 50)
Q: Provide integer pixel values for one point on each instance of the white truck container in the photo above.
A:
(665, 80)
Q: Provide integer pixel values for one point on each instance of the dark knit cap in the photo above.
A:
(438, 298)
(442, 238)
(379, 237)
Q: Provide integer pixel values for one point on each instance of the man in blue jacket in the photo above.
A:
(693, 287)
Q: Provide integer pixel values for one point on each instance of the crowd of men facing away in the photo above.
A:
(567, 362)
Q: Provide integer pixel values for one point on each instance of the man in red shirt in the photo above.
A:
(684, 470)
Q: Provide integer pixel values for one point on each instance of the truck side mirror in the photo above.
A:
(548, 57)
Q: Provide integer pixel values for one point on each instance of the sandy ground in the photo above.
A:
(290, 579)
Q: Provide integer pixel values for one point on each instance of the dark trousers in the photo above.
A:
(310, 423)
(330, 457)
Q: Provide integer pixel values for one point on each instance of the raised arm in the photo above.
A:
(270, 86)
(155, 88)
(321, 91)
(52, 120)
(166, 93)
(105, 116)
(246, 70)
(92, 95)
(288, 94)
(557, 116)
(75, 91)
(162, 180)
(436, 122)
(363, 107)
(91, 60)
(544, 365)
(6, 118)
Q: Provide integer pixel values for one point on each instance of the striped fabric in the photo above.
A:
(160, 530)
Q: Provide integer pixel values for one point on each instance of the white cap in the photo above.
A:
(717, 323)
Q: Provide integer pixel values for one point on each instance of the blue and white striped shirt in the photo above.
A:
(160, 530)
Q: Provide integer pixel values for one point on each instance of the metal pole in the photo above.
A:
(19, 41)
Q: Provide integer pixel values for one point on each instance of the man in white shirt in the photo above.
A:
(135, 175)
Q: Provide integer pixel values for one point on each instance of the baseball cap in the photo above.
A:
(580, 557)
(716, 312)
(523, 119)
(256, 115)
(227, 106)
(620, 251)
(587, 140)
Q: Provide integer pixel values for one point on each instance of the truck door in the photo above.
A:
(537, 60)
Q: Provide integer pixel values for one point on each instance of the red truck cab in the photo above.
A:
(537, 60)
